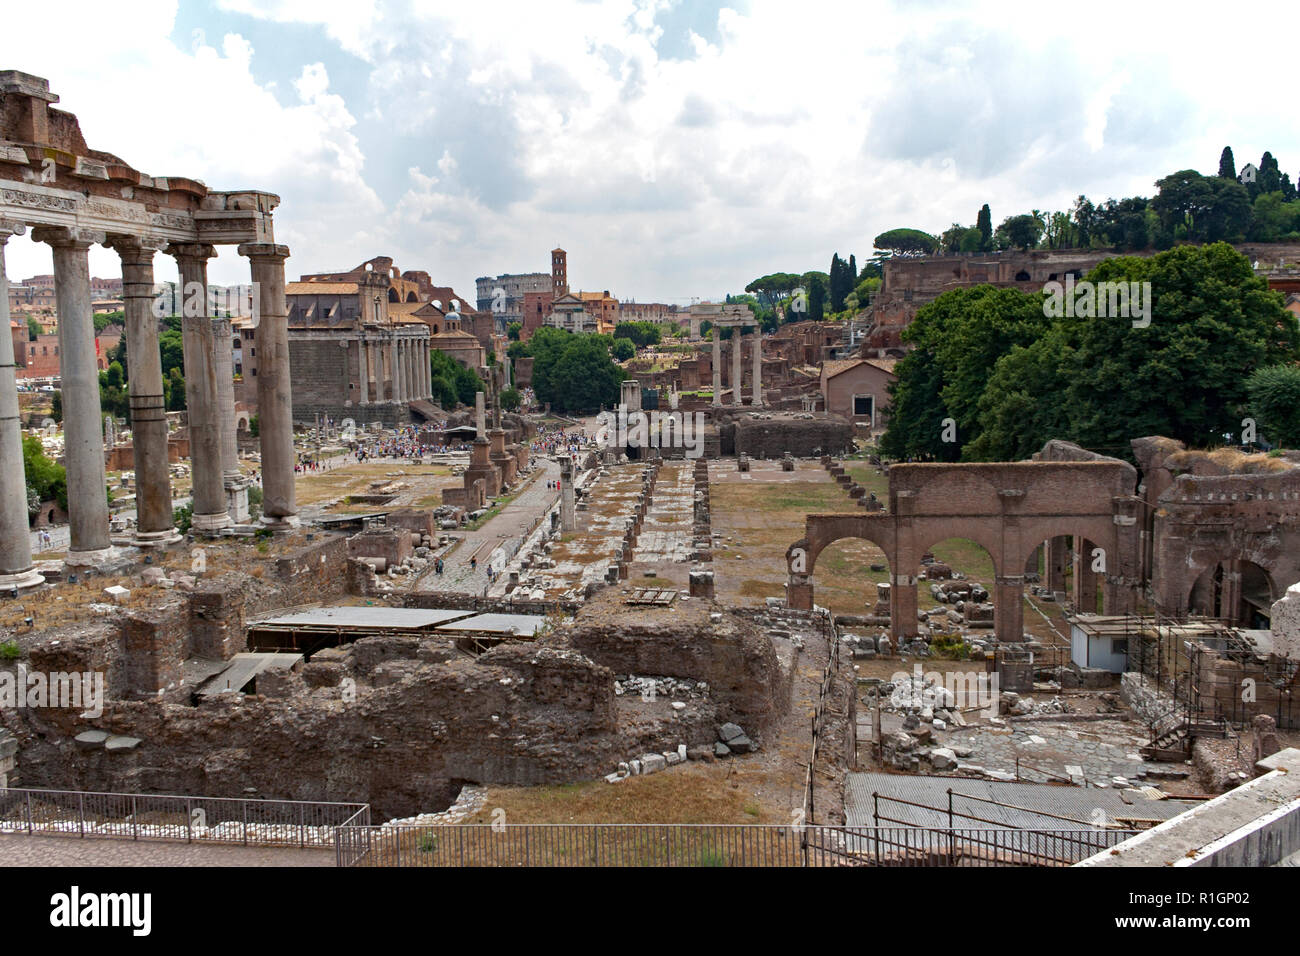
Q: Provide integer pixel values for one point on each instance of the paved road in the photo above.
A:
(513, 522)
(22, 850)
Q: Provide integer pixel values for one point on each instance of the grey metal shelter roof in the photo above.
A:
(1079, 804)
(379, 617)
(524, 624)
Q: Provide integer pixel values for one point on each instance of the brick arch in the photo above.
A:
(1005, 508)
(1274, 574)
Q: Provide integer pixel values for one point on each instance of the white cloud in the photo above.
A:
(489, 132)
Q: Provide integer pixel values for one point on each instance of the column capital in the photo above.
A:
(67, 237)
(135, 248)
(263, 250)
(9, 227)
(191, 250)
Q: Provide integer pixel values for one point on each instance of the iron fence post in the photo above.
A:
(81, 814)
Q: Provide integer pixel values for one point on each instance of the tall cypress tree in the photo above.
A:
(1227, 165)
(984, 223)
(853, 272)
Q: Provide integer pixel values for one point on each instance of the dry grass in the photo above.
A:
(1231, 460)
(690, 793)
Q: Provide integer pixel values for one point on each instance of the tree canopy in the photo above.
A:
(1012, 379)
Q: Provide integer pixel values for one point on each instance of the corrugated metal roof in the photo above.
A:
(363, 617)
(1079, 804)
(524, 624)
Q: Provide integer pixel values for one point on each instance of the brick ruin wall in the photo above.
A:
(397, 722)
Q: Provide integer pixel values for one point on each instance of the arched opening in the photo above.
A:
(393, 296)
(410, 297)
(955, 591)
(1022, 276)
(848, 579)
(1238, 591)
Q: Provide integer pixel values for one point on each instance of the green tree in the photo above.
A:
(1101, 381)
(1227, 165)
(623, 349)
(984, 223)
(513, 331)
(511, 399)
(34, 329)
(906, 242)
(1273, 399)
(1019, 232)
(47, 478)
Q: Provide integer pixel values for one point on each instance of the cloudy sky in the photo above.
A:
(675, 148)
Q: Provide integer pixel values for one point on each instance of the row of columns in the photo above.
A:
(209, 398)
(401, 362)
(737, 367)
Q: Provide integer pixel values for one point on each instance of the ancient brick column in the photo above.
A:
(202, 398)
(1009, 610)
(82, 429)
(16, 570)
(153, 487)
(274, 395)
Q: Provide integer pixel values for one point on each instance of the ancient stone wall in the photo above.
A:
(762, 436)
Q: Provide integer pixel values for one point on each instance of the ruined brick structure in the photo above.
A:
(1209, 533)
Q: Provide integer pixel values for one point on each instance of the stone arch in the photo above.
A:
(1235, 589)
(243, 420)
(1023, 276)
(411, 297)
(393, 296)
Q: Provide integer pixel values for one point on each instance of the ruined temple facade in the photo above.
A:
(1212, 533)
(74, 197)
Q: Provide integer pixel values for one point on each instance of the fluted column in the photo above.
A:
(16, 570)
(274, 395)
(758, 366)
(83, 437)
(201, 391)
(153, 487)
(717, 366)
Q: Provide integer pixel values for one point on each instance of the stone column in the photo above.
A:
(758, 366)
(274, 395)
(717, 366)
(737, 366)
(83, 439)
(480, 416)
(363, 374)
(1054, 551)
(376, 364)
(399, 350)
(567, 494)
(395, 393)
(16, 570)
(426, 372)
(232, 479)
(153, 487)
(202, 398)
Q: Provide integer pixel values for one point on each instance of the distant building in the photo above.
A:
(857, 389)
